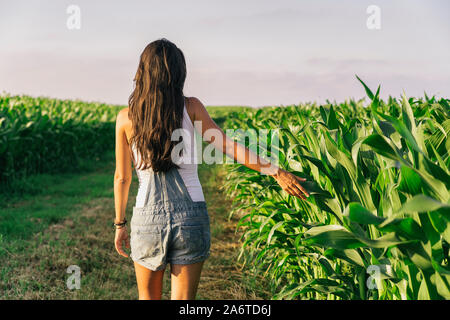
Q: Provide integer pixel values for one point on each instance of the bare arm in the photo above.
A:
(288, 181)
(122, 179)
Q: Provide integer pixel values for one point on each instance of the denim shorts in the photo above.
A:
(170, 228)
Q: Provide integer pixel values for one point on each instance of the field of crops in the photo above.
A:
(376, 225)
(40, 135)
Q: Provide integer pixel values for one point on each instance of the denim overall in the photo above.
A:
(170, 227)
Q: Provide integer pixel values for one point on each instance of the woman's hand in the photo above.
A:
(291, 183)
(122, 236)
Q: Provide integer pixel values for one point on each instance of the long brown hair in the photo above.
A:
(156, 104)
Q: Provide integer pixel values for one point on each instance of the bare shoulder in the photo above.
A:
(122, 116)
(195, 108)
(123, 123)
(195, 102)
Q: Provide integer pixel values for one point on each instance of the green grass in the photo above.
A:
(51, 199)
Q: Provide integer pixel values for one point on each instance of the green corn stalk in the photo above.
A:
(379, 180)
(40, 135)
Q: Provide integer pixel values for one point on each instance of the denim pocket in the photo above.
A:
(146, 244)
(192, 238)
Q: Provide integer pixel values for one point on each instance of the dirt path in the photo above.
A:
(37, 267)
(223, 276)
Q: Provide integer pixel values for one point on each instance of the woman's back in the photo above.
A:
(187, 168)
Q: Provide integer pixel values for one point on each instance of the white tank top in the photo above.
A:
(187, 169)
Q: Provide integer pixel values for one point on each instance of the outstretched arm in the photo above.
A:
(288, 181)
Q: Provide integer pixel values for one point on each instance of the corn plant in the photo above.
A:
(377, 223)
(47, 135)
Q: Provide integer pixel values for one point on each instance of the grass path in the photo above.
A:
(68, 223)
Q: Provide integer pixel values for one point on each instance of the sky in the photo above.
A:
(245, 52)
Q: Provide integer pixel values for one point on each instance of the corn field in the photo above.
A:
(40, 135)
(376, 225)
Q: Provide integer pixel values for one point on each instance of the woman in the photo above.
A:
(170, 222)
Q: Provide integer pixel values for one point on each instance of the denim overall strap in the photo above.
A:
(168, 195)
